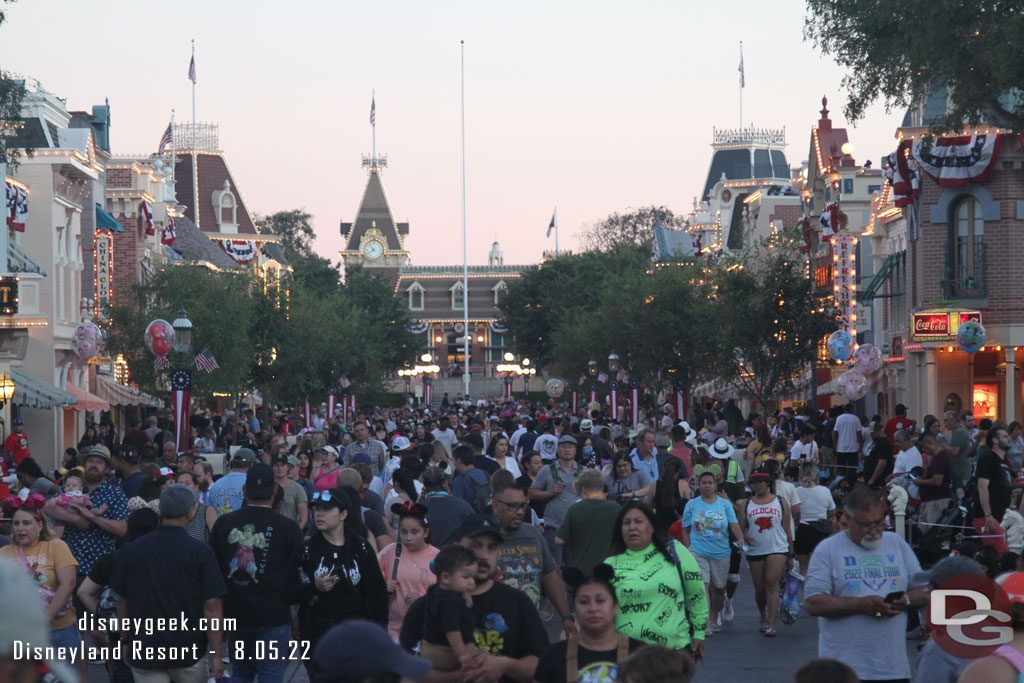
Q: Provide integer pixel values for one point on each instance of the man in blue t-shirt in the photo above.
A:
(468, 479)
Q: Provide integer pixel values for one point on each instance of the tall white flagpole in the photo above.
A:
(465, 263)
(743, 79)
(173, 160)
(373, 105)
(193, 96)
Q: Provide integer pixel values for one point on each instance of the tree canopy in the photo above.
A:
(12, 92)
(631, 228)
(897, 51)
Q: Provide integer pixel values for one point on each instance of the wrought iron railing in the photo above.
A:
(965, 273)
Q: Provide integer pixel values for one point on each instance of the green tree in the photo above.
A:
(897, 51)
(769, 319)
(384, 321)
(633, 228)
(12, 93)
(294, 228)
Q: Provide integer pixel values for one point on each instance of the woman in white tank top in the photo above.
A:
(766, 529)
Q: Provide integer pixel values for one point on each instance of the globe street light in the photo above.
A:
(592, 368)
(182, 332)
(613, 362)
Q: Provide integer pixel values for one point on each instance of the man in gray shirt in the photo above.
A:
(554, 484)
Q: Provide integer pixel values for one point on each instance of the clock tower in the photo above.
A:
(374, 240)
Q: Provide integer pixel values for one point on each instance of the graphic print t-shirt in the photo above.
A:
(874, 648)
(42, 562)
(709, 526)
(523, 559)
(595, 666)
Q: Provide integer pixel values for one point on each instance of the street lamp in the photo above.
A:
(592, 368)
(6, 389)
(613, 361)
(509, 357)
(182, 332)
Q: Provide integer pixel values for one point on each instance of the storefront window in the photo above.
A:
(986, 401)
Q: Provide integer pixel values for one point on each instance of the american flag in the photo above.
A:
(373, 111)
(192, 70)
(551, 225)
(205, 361)
(345, 382)
(166, 139)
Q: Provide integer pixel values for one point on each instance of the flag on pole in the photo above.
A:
(373, 111)
(205, 361)
(166, 139)
(743, 80)
(192, 69)
(551, 225)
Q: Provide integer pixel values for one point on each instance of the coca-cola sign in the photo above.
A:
(939, 326)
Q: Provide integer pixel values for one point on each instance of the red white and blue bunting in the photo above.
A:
(148, 216)
(169, 233)
(959, 160)
(419, 328)
(497, 328)
(902, 174)
(829, 219)
(240, 251)
(16, 206)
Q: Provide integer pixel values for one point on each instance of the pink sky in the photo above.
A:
(594, 106)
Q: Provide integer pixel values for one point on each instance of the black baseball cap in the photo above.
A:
(259, 482)
(476, 525)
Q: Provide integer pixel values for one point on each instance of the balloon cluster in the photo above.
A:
(867, 360)
(159, 338)
(87, 338)
(840, 345)
(970, 336)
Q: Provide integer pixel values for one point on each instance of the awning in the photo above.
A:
(86, 401)
(34, 393)
(118, 394)
(20, 262)
(105, 220)
(868, 293)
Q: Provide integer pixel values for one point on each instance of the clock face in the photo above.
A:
(373, 249)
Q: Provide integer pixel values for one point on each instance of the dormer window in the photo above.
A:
(458, 296)
(225, 207)
(416, 292)
(499, 291)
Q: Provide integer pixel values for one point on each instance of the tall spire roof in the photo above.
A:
(374, 213)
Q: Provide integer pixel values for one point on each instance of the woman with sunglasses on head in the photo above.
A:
(406, 564)
(336, 575)
(765, 522)
(707, 521)
(658, 583)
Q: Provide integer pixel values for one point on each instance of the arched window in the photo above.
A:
(227, 208)
(499, 291)
(458, 296)
(965, 273)
(416, 292)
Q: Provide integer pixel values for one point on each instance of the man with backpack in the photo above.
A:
(471, 484)
(554, 484)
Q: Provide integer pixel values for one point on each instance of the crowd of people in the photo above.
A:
(503, 541)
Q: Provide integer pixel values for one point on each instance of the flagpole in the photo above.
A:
(373, 101)
(173, 159)
(556, 231)
(465, 263)
(193, 97)
(742, 79)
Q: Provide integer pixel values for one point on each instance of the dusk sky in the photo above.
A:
(594, 106)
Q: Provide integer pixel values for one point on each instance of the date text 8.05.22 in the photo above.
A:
(262, 650)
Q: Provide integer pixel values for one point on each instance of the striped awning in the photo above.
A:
(33, 393)
(86, 400)
(118, 394)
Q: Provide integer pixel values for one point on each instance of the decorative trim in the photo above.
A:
(990, 209)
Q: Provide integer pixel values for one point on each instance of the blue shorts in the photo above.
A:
(68, 637)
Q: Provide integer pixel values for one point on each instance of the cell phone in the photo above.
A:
(895, 596)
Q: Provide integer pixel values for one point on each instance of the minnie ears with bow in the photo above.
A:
(33, 502)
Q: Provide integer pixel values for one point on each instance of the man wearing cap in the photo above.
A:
(325, 477)
(295, 505)
(226, 493)
(360, 651)
(507, 627)
(92, 532)
(17, 442)
(555, 485)
(850, 576)
(645, 455)
(602, 448)
(362, 443)
(399, 449)
(253, 547)
(129, 469)
(166, 574)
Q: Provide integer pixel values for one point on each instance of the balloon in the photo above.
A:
(970, 336)
(555, 387)
(840, 345)
(853, 383)
(159, 337)
(87, 339)
(868, 359)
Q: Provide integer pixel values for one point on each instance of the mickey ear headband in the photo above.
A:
(713, 468)
(574, 577)
(33, 502)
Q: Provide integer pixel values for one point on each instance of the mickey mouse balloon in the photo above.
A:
(87, 338)
(159, 337)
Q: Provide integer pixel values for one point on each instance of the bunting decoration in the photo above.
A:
(593, 393)
(634, 401)
(679, 400)
(508, 388)
(307, 412)
(147, 215)
(497, 328)
(958, 160)
(428, 390)
(241, 252)
(575, 398)
(420, 327)
(829, 219)
(169, 234)
(181, 386)
(901, 172)
(352, 405)
(17, 206)
(332, 399)
(613, 398)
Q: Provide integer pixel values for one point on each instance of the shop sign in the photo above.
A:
(939, 326)
(104, 248)
(8, 295)
(844, 284)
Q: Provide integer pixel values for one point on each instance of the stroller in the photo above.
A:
(935, 542)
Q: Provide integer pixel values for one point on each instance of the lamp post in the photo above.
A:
(181, 378)
(6, 392)
(427, 369)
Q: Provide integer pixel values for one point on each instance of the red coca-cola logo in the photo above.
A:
(931, 324)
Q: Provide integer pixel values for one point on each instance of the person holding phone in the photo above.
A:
(860, 584)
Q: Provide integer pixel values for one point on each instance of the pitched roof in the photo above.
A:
(193, 245)
(673, 244)
(374, 211)
(439, 281)
(212, 172)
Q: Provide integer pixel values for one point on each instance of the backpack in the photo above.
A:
(481, 495)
